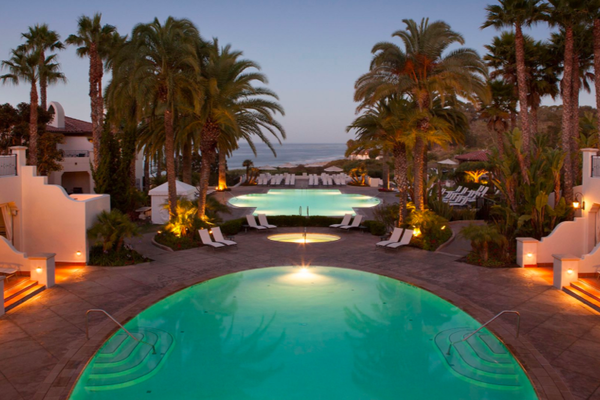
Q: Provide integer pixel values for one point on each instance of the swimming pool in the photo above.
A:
(327, 202)
(298, 333)
(304, 238)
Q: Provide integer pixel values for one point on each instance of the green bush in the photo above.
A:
(375, 227)
(442, 209)
(169, 239)
(232, 227)
(465, 214)
(434, 230)
(115, 258)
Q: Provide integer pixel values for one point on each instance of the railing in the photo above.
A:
(487, 323)
(87, 335)
(595, 166)
(76, 153)
(8, 165)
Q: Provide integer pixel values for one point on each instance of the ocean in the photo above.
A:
(295, 153)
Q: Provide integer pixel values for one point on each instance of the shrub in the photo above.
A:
(111, 230)
(442, 209)
(431, 230)
(481, 237)
(387, 214)
(115, 258)
(465, 214)
(376, 228)
(169, 239)
(232, 227)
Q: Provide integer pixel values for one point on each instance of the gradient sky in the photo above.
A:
(311, 51)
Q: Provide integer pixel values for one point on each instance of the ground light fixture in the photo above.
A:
(570, 271)
(78, 253)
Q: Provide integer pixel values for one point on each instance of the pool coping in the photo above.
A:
(60, 382)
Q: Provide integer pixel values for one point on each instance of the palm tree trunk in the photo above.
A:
(146, 185)
(96, 129)
(534, 119)
(400, 176)
(500, 138)
(567, 118)
(170, 161)
(158, 158)
(32, 157)
(418, 173)
(208, 148)
(187, 162)
(222, 170)
(575, 119)
(597, 69)
(385, 170)
(43, 81)
(522, 87)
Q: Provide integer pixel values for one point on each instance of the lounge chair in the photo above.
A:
(218, 235)
(345, 221)
(206, 240)
(355, 223)
(408, 233)
(252, 222)
(262, 220)
(394, 238)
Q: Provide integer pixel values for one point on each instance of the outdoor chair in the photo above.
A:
(345, 221)
(218, 235)
(252, 223)
(262, 220)
(394, 238)
(408, 234)
(207, 241)
(355, 223)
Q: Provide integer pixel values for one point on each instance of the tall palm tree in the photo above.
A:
(163, 63)
(23, 66)
(593, 11)
(41, 38)
(232, 108)
(567, 14)
(518, 14)
(423, 72)
(94, 41)
(498, 112)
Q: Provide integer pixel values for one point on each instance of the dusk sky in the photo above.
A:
(311, 51)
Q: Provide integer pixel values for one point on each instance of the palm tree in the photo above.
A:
(164, 63)
(111, 229)
(424, 73)
(518, 14)
(498, 112)
(94, 41)
(41, 38)
(247, 164)
(23, 66)
(232, 109)
(593, 11)
(567, 15)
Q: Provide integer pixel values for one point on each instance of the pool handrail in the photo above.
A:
(87, 335)
(487, 323)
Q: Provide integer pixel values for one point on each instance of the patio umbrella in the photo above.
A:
(333, 169)
(448, 161)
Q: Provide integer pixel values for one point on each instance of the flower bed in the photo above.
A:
(113, 258)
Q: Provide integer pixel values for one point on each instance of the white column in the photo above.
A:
(527, 249)
(42, 268)
(566, 270)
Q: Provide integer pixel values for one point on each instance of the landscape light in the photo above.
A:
(78, 253)
(38, 270)
(569, 271)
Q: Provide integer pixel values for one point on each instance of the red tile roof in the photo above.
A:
(73, 127)
(480, 155)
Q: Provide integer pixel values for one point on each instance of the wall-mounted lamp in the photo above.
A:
(78, 253)
(529, 255)
(38, 270)
(569, 271)
(578, 202)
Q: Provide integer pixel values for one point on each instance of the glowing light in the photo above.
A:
(443, 227)
(417, 232)
(38, 270)
(529, 255)
(576, 204)
(78, 253)
(569, 271)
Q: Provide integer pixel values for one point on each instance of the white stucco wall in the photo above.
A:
(76, 143)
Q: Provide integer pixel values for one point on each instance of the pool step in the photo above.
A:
(585, 293)
(21, 292)
(482, 359)
(124, 362)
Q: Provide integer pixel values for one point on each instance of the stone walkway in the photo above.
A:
(43, 346)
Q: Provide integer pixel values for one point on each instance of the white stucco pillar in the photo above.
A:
(527, 249)
(566, 270)
(21, 152)
(42, 268)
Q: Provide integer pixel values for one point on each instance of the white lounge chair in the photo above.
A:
(218, 235)
(252, 222)
(408, 233)
(206, 240)
(262, 220)
(394, 238)
(355, 223)
(345, 221)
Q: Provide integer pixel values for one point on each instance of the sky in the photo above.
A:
(311, 51)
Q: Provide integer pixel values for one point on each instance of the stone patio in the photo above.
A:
(43, 346)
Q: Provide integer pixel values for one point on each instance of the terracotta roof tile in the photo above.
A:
(73, 127)
(480, 155)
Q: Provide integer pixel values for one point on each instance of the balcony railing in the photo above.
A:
(76, 153)
(595, 166)
(8, 165)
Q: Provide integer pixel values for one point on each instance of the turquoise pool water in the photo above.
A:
(290, 333)
(328, 202)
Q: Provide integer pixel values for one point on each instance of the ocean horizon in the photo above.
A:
(295, 153)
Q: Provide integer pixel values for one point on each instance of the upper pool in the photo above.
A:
(328, 202)
(297, 333)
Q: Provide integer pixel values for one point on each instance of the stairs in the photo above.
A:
(124, 362)
(21, 292)
(585, 293)
(481, 359)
